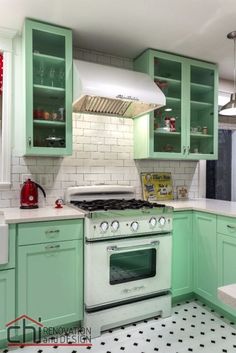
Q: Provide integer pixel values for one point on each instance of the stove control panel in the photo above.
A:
(97, 229)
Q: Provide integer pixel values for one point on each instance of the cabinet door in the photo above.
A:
(190, 87)
(48, 71)
(51, 282)
(7, 302)
(171, 76)
(205, 271)
(182, 269)
(226, 251)
(203, 124)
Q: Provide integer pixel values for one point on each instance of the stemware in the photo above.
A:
(41, 72)
(52, 75)
(62, 78)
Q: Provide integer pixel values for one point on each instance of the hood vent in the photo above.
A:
(107, 90)
(100, 105)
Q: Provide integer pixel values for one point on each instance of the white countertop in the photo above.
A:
(224, 208)
(16, 215)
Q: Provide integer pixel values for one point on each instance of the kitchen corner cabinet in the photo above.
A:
(226, 255)
(191, 88)
(48, 89)
(50, 266)
(182, 268)
(205, 255)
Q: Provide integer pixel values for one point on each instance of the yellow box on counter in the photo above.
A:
(157, 186)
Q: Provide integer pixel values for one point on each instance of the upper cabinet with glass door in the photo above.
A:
(186, 128)
(48, 73)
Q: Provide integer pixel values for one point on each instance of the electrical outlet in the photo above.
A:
(24, 177)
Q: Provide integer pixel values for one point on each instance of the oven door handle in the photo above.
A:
(115, 248)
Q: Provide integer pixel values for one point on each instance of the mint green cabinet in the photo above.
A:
(226, 253)
(190, 87)
(182, 260)
(51, 282)
(7, 301)
(205, 255)
(48, 89)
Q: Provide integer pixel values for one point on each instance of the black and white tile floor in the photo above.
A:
(193, 327)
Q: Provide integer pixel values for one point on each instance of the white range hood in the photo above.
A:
(107, 90)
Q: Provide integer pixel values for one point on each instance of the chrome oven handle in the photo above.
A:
(115, 248)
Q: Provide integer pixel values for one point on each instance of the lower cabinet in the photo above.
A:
(7, 300)
(226, 255)
(51, 282)
(205, 257)
(182, 267)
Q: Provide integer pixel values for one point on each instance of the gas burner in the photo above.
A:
(114, 204)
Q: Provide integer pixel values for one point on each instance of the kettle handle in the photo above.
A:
(40, 187)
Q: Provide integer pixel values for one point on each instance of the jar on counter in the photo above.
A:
(205, 130)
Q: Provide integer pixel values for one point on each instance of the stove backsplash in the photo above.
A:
(103, 153)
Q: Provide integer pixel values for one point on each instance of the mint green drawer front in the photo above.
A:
(47, 232)
(226, 225)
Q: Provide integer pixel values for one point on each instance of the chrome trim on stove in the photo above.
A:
(115, 248)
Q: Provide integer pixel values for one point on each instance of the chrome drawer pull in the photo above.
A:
(230, 227)
(52, 231)
(51, 247)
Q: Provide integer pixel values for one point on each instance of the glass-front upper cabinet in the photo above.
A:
(167, 120)
(186, 127)
(202, 104)
(48, 71)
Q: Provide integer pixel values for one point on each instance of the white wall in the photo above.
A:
(102, 153)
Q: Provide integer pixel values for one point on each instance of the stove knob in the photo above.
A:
(134, 226)
(115, 226)
(104, 226)
(153, 222)
(162, 221)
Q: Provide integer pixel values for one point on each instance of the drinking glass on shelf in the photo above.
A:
(41, 72)
(61, 78)
(52, 75)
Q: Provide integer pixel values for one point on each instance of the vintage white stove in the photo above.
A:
(128, 245)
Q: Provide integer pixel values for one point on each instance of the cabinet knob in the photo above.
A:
(29, 141)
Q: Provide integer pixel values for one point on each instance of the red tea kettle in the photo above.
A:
(29, 194)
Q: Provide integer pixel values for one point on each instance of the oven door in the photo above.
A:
(118, 270)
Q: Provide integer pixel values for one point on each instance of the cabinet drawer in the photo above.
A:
(45, 232)
(226, 225)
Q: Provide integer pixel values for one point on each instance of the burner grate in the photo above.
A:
(114, 204)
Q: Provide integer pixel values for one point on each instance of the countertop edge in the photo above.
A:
(42, 219)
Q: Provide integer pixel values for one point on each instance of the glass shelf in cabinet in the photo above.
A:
(43, 91)
(48, 122)
(48, 57)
